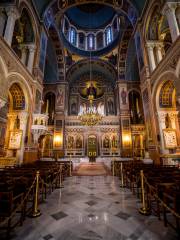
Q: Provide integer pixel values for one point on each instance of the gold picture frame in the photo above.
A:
(170, 138)
(15, 139)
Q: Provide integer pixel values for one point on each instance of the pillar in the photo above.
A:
(24, 55)
(152, 63)
(159, 47)
(13, 15)
(104, 39)
(31, 57)
(169, 12)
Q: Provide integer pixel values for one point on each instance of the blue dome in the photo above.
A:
(90, 16)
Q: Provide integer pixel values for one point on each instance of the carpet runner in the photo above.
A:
(91, 169)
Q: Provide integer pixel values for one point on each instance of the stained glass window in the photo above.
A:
(72, 36)
(108, 35)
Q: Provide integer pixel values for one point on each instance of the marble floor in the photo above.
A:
(92, 208)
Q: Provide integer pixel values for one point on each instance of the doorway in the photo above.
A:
(92, 148)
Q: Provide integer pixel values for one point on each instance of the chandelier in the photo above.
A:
(90, 116)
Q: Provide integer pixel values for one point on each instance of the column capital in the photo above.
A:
(31, 47)
(150, 44)
(2, 103)
(13, 12)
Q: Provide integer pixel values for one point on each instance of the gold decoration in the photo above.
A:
(90, 116)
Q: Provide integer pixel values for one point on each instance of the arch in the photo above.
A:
(25, 4)
(165, 76)
(166, 95)
(17, 98)
(3, 82)
(17, 78)
(127, 7)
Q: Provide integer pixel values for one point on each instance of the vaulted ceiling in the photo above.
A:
(41, 5)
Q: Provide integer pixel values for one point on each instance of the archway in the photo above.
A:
(167, 116)
(17, 118)
(92, 147)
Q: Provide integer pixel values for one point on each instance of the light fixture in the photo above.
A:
(90, 115)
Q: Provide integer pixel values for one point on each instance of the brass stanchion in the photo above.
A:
(70, 170)
(122, 176)
(60, 177)
(113, 168)
(36, 212)
(144, 209)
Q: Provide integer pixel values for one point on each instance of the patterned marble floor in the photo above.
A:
(92, 208)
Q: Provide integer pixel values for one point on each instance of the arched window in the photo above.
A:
(91, 42)
(72, 36)
(108, 35)
(166, 94)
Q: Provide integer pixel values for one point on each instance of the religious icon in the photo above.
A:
(168, 121)
(60, 97)
(123, 96)
(17, 123)
(78, 142)
(106, 142)
(15, 139)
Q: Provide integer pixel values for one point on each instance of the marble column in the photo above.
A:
(150, 50)
(169, 12)
(30, 63)
(86, 43)
(13, 15)
(159, 47)
(2, 21)
(24, 55)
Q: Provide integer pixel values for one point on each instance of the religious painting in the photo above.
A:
(114, 142)
(43, 47)
(79, 142)
(170, 138)
(70, 142)
(38, 101)
(73, 106)
(15, 139)
(110, 106)
(106, 142)
(60, 97)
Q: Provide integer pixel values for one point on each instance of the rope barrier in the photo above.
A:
(20, 205)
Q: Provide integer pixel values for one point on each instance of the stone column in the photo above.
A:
(24, 55)
(169, 12)
(159, 47)
(2, 103)
(32, 49)
(2, 21)
(150, 50)
(12, 16)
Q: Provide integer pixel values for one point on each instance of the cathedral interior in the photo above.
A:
(89, 119)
